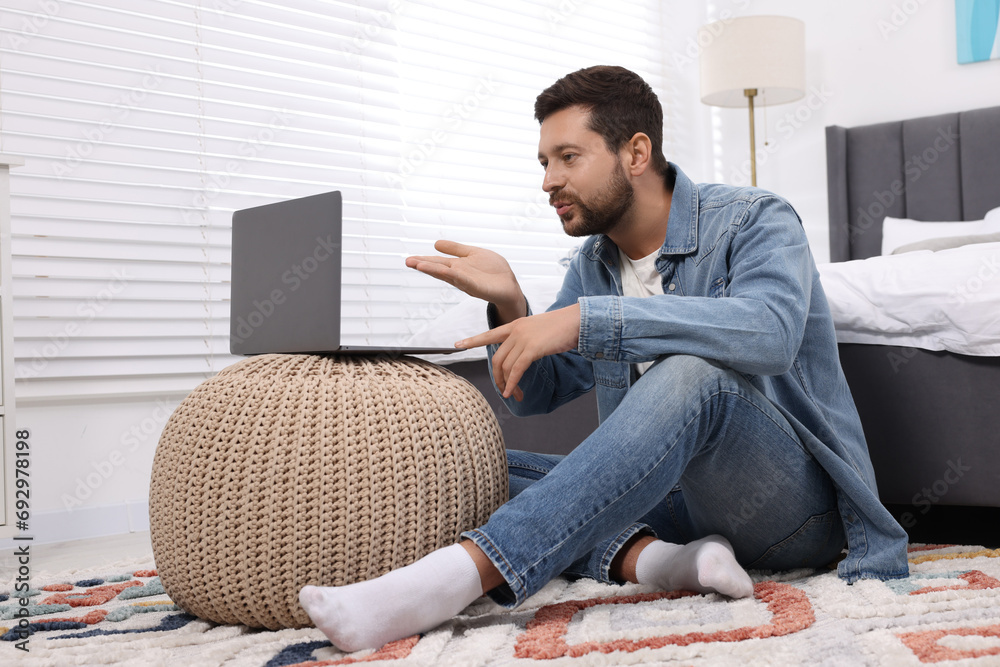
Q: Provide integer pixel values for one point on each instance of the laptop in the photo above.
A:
(286, 281)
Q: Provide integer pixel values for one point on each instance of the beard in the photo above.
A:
(605, 209)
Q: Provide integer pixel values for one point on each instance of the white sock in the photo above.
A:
(707, 565)
(402, 603)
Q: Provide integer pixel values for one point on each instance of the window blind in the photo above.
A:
(470, 76)
(145, 125)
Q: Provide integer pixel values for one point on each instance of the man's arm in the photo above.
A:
(549, 381)
(486, 275)
(520, 338)
(757, 328)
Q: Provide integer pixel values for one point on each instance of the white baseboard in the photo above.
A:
(85, 523)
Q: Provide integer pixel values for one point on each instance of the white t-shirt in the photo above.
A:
(640, 278)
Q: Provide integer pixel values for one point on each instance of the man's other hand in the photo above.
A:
(526, 340)
(478, 272)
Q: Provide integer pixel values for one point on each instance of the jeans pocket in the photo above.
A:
(813, 544)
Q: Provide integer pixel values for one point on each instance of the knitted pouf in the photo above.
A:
(287, 470)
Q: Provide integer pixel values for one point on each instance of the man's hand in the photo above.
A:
(478, 272)
(526, 340)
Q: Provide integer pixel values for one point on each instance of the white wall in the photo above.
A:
(861, 69)
(866, 62)
(90, 464)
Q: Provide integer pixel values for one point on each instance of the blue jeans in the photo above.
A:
(692, 450)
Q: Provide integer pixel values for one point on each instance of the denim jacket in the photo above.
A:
(740, 287)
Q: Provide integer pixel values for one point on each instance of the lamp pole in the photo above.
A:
(751, 93)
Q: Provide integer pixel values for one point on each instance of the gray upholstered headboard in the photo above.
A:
(935, 168)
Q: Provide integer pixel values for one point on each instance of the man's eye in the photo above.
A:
(569, 156)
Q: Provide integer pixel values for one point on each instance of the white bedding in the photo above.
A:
(945, 300)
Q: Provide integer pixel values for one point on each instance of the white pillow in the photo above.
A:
(993, 214)
(898, 232)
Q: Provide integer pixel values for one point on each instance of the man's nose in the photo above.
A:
(552, 181)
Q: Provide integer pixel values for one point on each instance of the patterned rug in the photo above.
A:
(947, 611)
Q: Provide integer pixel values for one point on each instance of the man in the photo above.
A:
(728, 436)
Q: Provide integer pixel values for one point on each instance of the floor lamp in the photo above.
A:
(752, 57)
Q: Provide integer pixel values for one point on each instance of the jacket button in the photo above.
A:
(671, 287)
(599, 355)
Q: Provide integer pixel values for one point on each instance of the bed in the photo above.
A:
(931, 416)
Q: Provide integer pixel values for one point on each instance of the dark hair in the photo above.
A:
(620, 104)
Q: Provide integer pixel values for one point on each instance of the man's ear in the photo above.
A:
(639, 153)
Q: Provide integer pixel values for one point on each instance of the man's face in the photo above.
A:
(586, 183)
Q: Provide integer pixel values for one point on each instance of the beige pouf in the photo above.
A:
(287, 470)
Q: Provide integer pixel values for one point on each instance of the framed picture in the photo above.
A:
(977, 23)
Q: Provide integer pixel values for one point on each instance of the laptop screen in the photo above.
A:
(286, 276)
(287, 281)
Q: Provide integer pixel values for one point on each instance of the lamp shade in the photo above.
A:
(762, 52)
